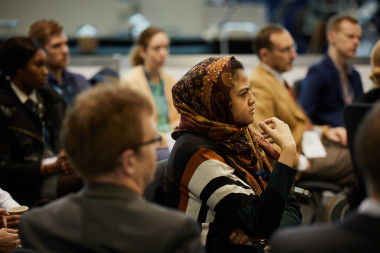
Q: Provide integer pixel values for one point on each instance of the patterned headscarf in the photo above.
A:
(202, 97)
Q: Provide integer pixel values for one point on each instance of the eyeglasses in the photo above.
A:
(156, 140)
(287, 50)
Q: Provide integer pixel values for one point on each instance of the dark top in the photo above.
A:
(358, 233)
(108, 218)
(22, 144)
(371, 96)
(72, 85)
(200, 182)
(321, 92)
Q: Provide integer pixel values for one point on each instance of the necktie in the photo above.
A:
(37, 109)
(290, 90)
(32, 106)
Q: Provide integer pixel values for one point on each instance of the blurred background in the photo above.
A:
(196, 28)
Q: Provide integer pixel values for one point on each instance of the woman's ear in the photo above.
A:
(141, 51)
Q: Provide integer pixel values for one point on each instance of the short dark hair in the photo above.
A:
(262, 37)
(41, 30)
(367, 146)
(15, 52)
(102, 123)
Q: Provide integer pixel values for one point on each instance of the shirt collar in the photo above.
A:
(22, 96)
(345, 70)
(370, 207)
(275, 73)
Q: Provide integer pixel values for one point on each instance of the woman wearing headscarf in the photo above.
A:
(222, 173)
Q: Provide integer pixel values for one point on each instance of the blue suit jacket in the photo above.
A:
(321, 93)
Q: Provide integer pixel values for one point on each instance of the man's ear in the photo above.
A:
(263, 54)
(127, 161)
(331, 36)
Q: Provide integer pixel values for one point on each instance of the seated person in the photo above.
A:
(222, 173)
(332, 83)
(148, 76)
(275, 49)
(373, 95)
(51, 37)
(109, 214)
(30, 123)
(358, 232)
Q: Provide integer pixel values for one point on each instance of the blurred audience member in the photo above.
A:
(148, 77)
(109, 213)
(359, 232)
(374, 94)
(50, 35)
(30, 123)
(332, 83)
(275, 49)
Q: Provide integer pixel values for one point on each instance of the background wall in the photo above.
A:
(178, 17)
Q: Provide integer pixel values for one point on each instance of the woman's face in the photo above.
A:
(33, 74)
(242, 100)
(157, 51)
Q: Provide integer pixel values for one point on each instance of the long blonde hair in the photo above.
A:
(375, 61)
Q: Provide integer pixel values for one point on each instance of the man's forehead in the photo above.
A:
(281, 39)
(56, 39)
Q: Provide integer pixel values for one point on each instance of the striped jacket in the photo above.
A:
(200, 182)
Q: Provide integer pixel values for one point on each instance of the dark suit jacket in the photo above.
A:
(108, 218)
(358, 233)
(21, 142)
(321, 93)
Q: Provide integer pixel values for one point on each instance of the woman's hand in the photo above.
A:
(238, 237)
(277, 131)
(61, 165)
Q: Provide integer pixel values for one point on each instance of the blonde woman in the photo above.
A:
(374, 94)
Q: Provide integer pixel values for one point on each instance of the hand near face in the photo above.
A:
(277, 131)
(9, 239)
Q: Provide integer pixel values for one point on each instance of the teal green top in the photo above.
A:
(161, 105)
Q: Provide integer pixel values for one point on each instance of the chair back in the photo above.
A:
(353, 115)
(154, 191)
